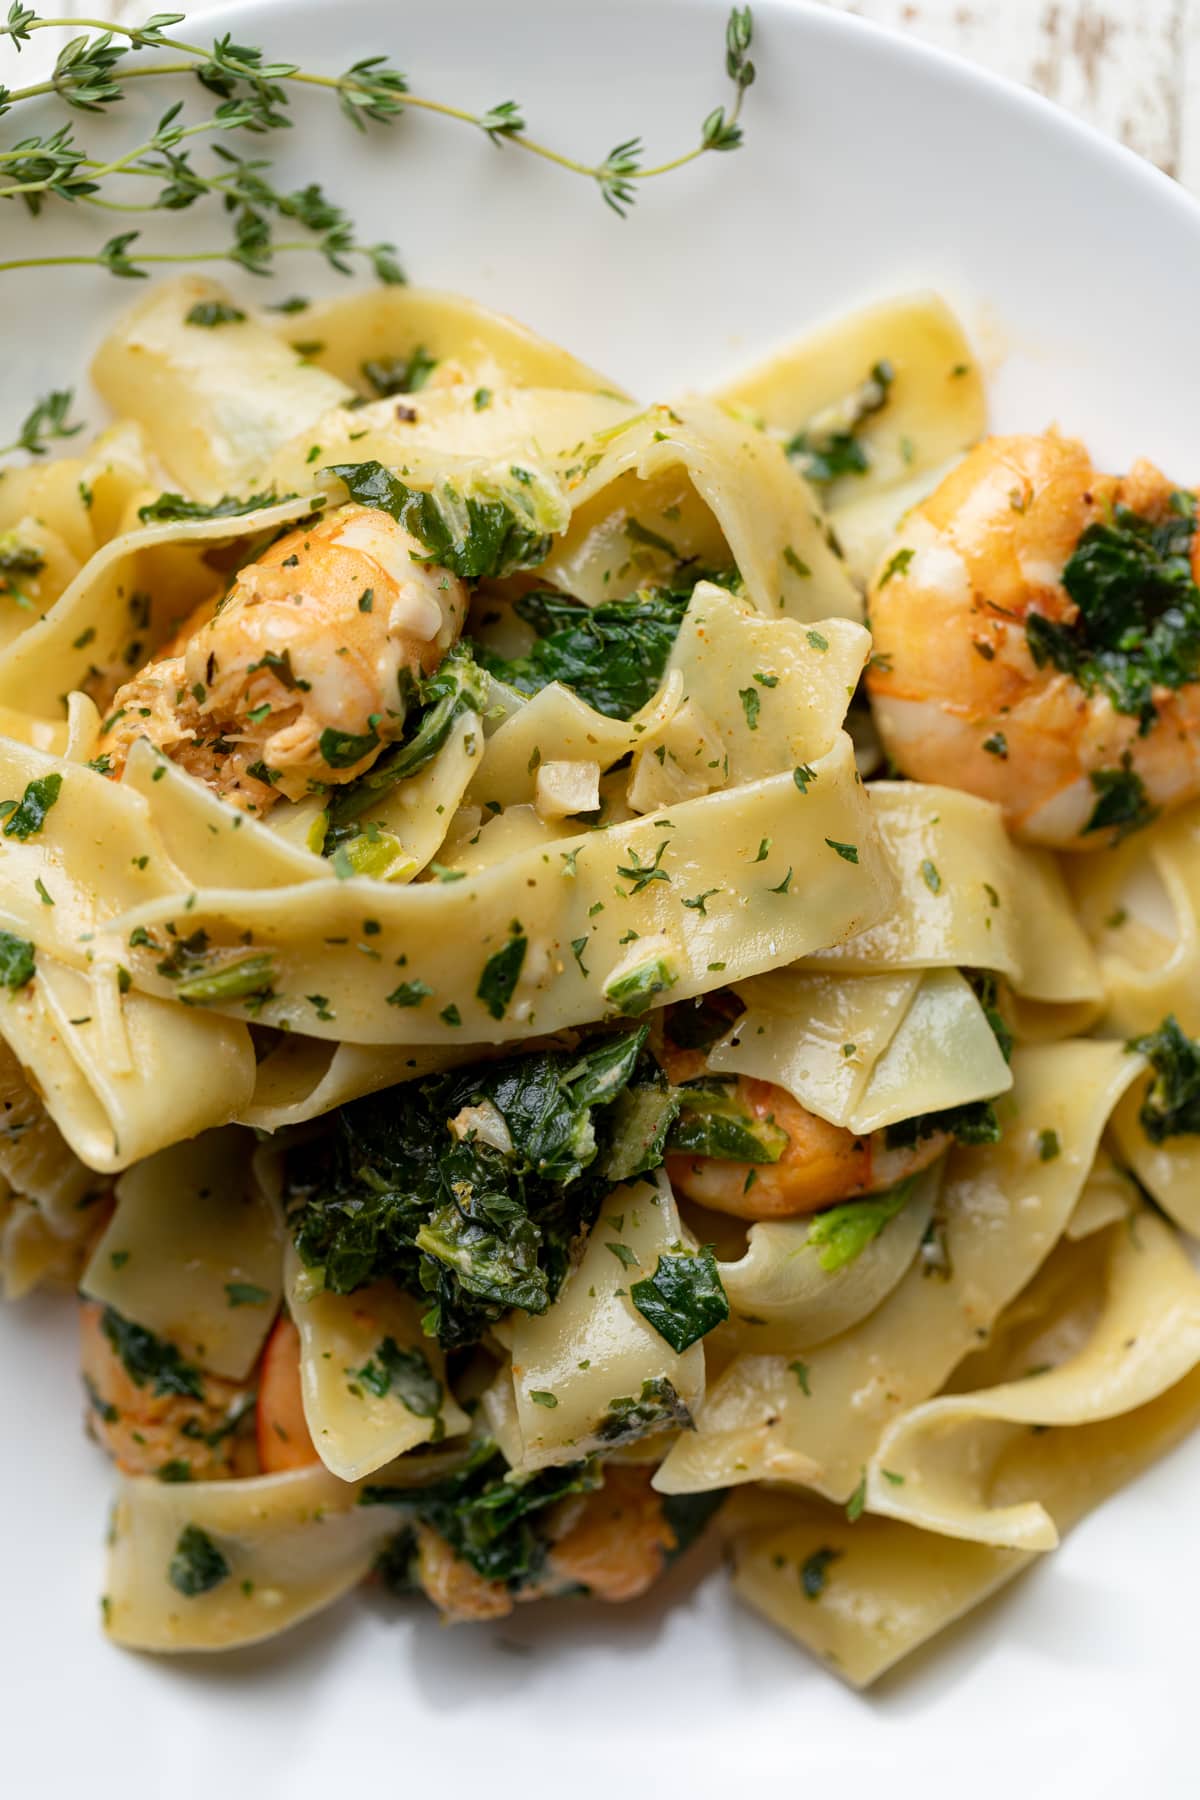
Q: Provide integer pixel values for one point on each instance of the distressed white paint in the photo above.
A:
(1189, 154)
(1130, 67)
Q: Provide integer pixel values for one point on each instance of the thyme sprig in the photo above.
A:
(90, 76)
(46, 421)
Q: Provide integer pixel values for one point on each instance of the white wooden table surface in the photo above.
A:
(1130, 67)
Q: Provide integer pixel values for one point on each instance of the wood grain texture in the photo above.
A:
(1127, 66)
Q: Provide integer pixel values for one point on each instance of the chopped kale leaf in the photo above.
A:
(1172, 1104)
(1138, 625)
(987, 992)
(1122, 804)
(28, 816)
(688, 1514)
(249, 978)
(396, 1565)
(712, 1123)
(342, 749)
(683, 1299)
(458, 686)
(697, 1024)
(829, 447)
(150, 1360)
(471, 536)
(392, 1191)
(613, 654)
(17, 961)
(173, 508)
(642, 1117)
(633, 991)
(975, 1122)
(197, 1565)
(657, 1408)
(406, 1373)
(487, 1516)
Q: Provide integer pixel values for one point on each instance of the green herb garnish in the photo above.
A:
(245, 1293)
(27, 817)
(149, 1360)
(842, 1233)
(390, 375)
(1171, 1107)
(405, 1373)
(684, 1298)
(470, 1228)
(47, 419)
(1138, 623)
(501, 973)
(211, 313)
(197, 1565)
(814, 1572)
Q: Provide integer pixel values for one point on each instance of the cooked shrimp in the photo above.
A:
(617, 1541)
(820, 1165)
(458, 1591)
(284, 1441)
(297, 677)
(188, 1435)
(613, 1542)
(957, 693)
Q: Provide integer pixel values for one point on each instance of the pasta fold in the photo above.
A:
(1001, 1210)
(617, 893)
(932, 405)
(592, 1373)
(960, 1459)
(214, 400)
(866, 1051)
(971, 898)
(194, 1251)
(373, 1385)
(209, 1565)
(785, 1300)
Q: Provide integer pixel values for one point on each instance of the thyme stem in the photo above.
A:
(145, 256)
(88, 77)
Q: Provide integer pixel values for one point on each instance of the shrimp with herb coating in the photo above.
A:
(296, 679)
(1037, 641)
(154, 1412)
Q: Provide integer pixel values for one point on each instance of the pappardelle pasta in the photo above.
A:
(577, 972)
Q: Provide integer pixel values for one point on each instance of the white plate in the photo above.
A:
(871, 165)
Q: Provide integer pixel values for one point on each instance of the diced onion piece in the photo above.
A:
(565, 788)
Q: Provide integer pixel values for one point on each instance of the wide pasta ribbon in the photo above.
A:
(963, 1460)
(619, 894)
(978, 1483)
(971, 898)
(1002, 1209)
(592, 1373)
(208, 1565)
